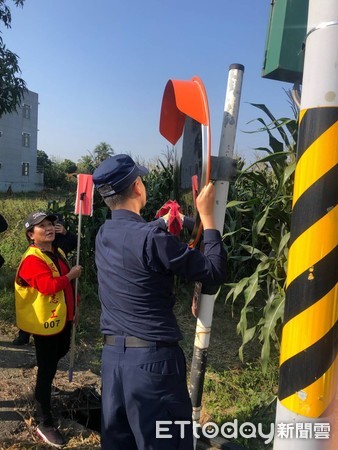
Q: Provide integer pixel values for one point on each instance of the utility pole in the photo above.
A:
(308, 361)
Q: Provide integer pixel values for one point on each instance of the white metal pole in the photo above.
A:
(206, 307)
(309, 362)
(228, 135)
(72, 342)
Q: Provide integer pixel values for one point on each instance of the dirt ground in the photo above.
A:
(17, 380)
(75, 404)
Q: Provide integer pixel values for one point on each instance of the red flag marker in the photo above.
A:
(83, 207)
(84, 195)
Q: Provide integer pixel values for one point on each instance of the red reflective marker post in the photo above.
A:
(83, 207)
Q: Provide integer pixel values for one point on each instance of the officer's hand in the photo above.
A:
(205, 203)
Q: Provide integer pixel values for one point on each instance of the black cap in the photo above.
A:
(116, 173)
(37, 217)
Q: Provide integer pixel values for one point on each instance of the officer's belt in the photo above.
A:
(132, 341)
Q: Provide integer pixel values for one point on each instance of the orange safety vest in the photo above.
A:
(36, 313)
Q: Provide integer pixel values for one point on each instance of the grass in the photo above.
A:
(232, 389)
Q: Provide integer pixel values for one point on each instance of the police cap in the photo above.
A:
(116, 173)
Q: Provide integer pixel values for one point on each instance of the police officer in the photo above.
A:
(143, 367)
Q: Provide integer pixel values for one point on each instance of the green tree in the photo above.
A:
(13, 87)
(85, 164)
(102, 152)
(43, 160)
(68, 166)
(88, 163)
(55, 172)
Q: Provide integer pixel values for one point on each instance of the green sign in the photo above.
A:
(284, 49)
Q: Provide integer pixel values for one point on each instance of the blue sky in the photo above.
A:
(100, 68)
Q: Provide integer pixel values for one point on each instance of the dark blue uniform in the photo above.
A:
(136, 264)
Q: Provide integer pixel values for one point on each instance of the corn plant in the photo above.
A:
(257, 231)
(160, 185)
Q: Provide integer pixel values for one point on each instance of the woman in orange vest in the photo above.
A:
(45, 304)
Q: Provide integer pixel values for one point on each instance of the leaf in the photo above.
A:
(262, 220)
(231, 233)
(265, 109)
(252, 289)
(239, 288)
(240, 258)
(235, 203)
(229, 294)
(247, 336)
(263, 149)
(253, 251)
(289, 170)
(256, 177)
(273, 312)
(263, 265)
(277, 124)
(291, 125)
(283, 242)
(275, 144)
(273, 158)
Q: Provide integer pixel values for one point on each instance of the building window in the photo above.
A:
(0, 133)
(26, 111)
(26, 139)
(0, 165)
(25, 169)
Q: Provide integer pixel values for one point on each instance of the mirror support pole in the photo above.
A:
(207, 301)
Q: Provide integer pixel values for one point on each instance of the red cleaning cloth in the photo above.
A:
(174, 220)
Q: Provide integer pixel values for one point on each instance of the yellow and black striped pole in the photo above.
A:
(308, 362)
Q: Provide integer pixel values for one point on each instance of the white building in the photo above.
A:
(18, 148)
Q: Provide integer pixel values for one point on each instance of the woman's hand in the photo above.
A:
(75, 272)
(60, 229)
